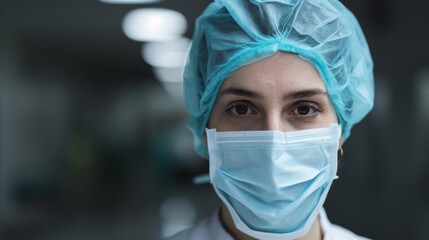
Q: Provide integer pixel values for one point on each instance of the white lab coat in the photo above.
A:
(211, 229)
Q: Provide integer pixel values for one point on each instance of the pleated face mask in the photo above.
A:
(273, 183)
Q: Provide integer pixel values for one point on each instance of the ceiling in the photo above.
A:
(85, 35)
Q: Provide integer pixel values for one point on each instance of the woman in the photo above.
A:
(273, 88)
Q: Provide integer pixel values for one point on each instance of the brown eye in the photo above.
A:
(241, 110)
(303, 110)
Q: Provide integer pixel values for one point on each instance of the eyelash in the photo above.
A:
(232, 109)
(315, 108)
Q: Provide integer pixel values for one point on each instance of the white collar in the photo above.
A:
(220, 233)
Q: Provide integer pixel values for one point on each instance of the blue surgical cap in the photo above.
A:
(234, 33)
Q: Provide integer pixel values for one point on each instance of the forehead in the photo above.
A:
(286, 71)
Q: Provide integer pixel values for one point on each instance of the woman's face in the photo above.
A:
(282, 92)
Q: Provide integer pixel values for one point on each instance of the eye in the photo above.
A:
(241, 109)
(305, 110)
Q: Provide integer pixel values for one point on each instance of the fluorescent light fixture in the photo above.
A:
(168, 74)
(175, 91)
(171, 81)
(129, 1)
(170, 54)
(154, 24)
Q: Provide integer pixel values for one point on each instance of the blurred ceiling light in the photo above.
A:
(170, 75)
(154, 24)
(170, 54)
(129, 1)
(171, 81)
(175, 91)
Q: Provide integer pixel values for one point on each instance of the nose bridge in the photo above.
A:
(276, 121)
(273, 121)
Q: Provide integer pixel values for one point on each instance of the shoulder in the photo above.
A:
(208, 228)
(335, 232)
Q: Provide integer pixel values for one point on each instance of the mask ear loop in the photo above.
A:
(340, 160)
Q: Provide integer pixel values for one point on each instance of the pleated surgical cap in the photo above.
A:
(233, 33)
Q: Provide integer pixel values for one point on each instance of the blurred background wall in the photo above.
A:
(93, 143)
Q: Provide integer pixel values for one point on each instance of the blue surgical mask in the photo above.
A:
(273, 183)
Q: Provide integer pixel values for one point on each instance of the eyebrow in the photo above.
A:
(256, 95)
(241, 92)
(304, 93)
